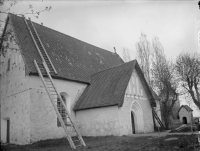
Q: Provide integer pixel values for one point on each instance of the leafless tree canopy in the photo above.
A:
(164, 80)
(144, 55)
(188, 69)
(6, 36)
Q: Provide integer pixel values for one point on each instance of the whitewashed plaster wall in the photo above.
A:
(117, 120)
(15, 94)
(135, 90)
(16, 108)
(99, 121)
(136, 93)
(184, 113)
(43, 117)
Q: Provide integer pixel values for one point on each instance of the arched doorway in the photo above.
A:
(184, 120)
(132, 122)
(137, 121)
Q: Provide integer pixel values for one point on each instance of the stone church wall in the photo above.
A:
(14, 94)
(43, 117)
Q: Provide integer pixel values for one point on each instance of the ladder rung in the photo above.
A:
(52, 90)
(77, 140)
(40, 65)
(79, 145)
(69, 124)
(48, 83)
(74, 136)
(42, 69)
(71, 131)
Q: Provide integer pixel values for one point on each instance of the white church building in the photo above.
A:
(104, 95)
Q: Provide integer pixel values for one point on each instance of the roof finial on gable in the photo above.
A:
(115, 50)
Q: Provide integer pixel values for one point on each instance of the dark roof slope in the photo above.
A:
(73, 59)
(108, 87)
(186, 107)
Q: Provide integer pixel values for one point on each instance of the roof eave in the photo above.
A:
(185, 108)
(151, 98)
(60, 78)
(79, 109)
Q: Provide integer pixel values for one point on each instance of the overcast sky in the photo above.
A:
(120, 23)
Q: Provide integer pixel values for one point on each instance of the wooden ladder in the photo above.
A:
(158, 119)
(38, 43)
(46, 68)
(73, 135)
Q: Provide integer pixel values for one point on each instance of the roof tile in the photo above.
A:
(108, 87)
(73, 59)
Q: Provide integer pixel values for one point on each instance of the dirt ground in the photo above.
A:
(115, 143)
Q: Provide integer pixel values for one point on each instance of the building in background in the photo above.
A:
(185, 114)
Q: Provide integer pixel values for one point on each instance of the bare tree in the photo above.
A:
(126, 55)
(28, 11)
(8, 35)
(188, 70)
(159, 72)
(164, 81)
(144, 56)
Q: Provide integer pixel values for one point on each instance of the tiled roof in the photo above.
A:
(186, 107)
(108, 87)
(73, 59)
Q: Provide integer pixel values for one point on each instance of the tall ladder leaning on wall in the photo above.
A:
(158, 119)
(47, 68)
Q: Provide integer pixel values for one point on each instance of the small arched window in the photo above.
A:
(61, 110)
